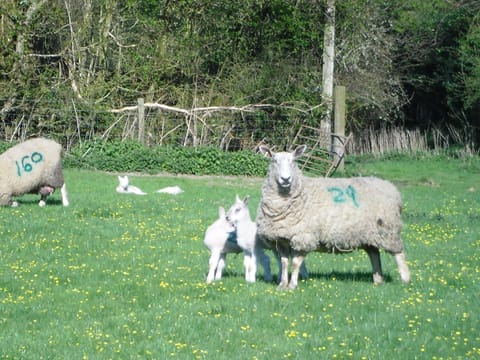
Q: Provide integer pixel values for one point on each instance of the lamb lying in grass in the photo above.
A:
(298, 214)
(125, 188)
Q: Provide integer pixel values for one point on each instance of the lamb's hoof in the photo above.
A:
(377, 279)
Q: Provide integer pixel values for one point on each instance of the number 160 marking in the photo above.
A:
(26, 165)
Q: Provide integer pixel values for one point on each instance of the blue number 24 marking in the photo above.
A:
(341, 195)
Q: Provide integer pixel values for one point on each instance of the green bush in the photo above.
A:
(131, 156)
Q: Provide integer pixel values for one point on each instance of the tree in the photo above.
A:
(328, 66)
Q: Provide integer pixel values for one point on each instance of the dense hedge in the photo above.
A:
(131, 156)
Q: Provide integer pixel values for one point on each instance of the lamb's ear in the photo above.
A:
(237, 198)
(245, 199)
(299, 151)
(221, 212)
(265, 151)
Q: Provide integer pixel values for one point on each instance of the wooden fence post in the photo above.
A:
(141, 120)
(339, 125)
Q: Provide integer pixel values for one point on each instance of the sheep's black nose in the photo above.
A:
(285, 180)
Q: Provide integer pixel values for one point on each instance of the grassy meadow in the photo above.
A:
(117, 276)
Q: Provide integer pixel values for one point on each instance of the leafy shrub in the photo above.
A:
(131, 156)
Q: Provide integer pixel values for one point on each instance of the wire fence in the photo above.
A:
(229, 128)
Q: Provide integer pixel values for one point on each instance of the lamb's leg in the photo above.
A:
(402, 267)
(374, 255)
(250, 264)
(63, 190)
(220, 266)
(212, 263)
(297, 261)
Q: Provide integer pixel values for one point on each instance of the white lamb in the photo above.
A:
(220, 241)
(33, 166)
(298, 214)
(125, 188)
(246, 230)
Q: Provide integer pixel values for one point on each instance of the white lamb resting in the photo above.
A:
(298, 214)
(220, 241)
(124, 187)
(246, 229)
(34, 166)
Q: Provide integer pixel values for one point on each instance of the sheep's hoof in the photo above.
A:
(14, 204)
(292, 286)
(42, 203)
(282, 286)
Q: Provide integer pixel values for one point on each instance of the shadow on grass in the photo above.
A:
(347, 276)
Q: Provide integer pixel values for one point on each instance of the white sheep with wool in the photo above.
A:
(245, 230)
(33, 166)
(299, 214)
(220, 241)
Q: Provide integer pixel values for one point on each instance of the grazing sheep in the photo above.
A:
(220, 241)
(298, 215)
(246, 229)
(34, 166)
(125, 188)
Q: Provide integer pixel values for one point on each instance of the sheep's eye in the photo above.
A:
(237, 210)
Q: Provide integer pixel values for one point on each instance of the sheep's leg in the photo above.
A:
(265, 262)
(303, 270)
(374, 255)
(212, 263)
(220, 266)
(284, 272)
(402, 266)
(63, 190)
(297, 261)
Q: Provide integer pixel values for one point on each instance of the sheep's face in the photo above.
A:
(238, 211)
(283, 166)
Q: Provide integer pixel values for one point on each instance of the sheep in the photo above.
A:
(220, 240)
(33, 166)
(125, 188)
(298, 214)
(246, 229)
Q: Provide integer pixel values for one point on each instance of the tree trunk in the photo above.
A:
(328, 67)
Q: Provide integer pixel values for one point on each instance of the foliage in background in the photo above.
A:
(65, 63)
(131, 156)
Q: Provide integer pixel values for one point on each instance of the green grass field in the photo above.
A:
(123, 277)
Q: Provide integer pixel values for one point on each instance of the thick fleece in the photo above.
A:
(298, 214)
(34, 166)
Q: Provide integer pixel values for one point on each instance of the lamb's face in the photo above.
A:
(238, 211)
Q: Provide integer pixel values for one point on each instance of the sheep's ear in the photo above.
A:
(245, 199)
(221, 212)
(265, 151)
(299, 151)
